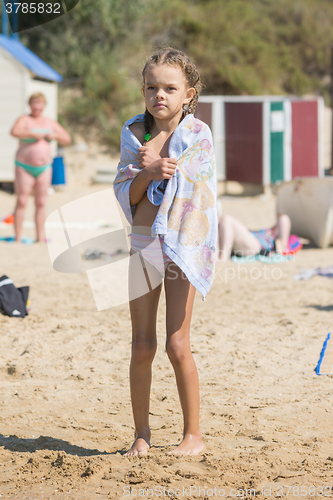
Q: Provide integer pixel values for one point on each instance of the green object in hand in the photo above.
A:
(147, 137)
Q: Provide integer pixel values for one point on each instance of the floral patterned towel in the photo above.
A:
(187, 217)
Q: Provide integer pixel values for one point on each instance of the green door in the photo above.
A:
(277, 138)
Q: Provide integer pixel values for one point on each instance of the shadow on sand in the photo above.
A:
(308, 245)
(15, 443)
(321, 308)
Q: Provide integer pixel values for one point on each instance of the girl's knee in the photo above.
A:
(143, 351)
(284, 218)
(177, 349)
(284, 222)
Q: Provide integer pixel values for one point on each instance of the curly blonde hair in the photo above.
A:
(174, 57)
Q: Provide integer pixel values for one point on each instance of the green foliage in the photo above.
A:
(240, 47)
(258, 46)
(108, 97)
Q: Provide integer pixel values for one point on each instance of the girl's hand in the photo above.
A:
(146, 156)
(163, 168)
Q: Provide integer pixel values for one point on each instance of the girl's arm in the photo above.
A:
(59, 134)
(145, 157)
(161, 169)
(20, 131)
(138, 187)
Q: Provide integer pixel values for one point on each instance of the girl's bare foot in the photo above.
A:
(191, 445)
(139, 447)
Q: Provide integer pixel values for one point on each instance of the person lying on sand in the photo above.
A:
(235, 238)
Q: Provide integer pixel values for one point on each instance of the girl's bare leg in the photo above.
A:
(179, 304)
(143, 315)
(233, 235)
(283, 227)
(24, 184)
(43, 181)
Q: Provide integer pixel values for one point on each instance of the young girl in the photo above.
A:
(166, 187)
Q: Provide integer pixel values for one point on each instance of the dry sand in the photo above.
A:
(266, 417)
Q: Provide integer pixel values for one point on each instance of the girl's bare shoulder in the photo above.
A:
(138, 129)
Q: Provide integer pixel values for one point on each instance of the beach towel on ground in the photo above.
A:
(11, 239)
(276, 258)
(187, 217)
(306, 274)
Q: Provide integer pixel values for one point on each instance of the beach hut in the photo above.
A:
(265, 139)
(22, 73)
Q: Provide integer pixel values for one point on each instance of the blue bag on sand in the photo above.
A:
(58, 171)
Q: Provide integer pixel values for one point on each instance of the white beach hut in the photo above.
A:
(22, 73)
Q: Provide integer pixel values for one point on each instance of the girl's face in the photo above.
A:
(37, 106)
(166, 91)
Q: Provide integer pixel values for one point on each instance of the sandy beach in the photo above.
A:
(266, 417)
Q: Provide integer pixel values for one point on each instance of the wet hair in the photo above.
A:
(37, 95)
(174, 57)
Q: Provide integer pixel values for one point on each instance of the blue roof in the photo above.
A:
(29, 59)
